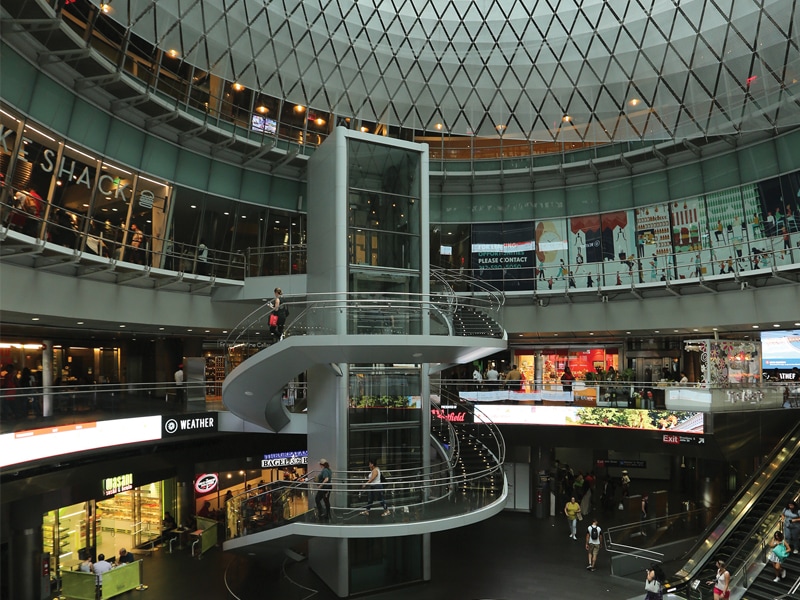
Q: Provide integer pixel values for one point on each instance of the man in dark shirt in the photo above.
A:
(124, 557)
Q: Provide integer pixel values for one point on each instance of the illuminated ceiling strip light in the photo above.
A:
(79, 152)
(8, 115)
(39, 132)
(153, 181)
(115, 168)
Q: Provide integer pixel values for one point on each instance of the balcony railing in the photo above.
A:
(465, 477)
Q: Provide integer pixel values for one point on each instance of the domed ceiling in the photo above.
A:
(571, 70)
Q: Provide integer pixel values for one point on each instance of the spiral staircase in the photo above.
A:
(463, 484)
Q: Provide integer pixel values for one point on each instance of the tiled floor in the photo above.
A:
(512, 556)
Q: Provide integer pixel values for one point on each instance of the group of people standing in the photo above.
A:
(511, 379)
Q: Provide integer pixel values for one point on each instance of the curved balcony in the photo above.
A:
(351, 328)
(464, 486)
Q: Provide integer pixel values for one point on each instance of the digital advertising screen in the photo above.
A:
(780, 349)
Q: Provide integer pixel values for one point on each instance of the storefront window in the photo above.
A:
(129, 519)
(65, 536)
(110, 210)
(585, 363)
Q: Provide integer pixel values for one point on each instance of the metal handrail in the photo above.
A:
(393, 313)
(740, 505)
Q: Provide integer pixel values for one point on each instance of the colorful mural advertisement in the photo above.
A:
(551, 255)
(654, 241)
(689, 231)
(586, 416)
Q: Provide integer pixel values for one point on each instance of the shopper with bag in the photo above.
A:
(779, 550)
(654, 583)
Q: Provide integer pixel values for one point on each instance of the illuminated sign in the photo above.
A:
(682, 439)
(186, 424)
(452, 413)
(672, 423)
(35, 444)
(114, 485)
(285, 459)
(205, 483)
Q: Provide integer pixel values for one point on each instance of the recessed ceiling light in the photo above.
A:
(161, 329)
(122, 326)
(715, 328)
(208, 330)
(755, 326)
(189, 330)
(591, 333)
(80, 322)
(628, 332)
(555, 334)
(695, 330)
(674, 331)
(224, 331)
(34, 318)
(520, 335)
(776, 325)
(656, 331)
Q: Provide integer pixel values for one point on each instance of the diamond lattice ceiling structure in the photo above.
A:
(569, 70)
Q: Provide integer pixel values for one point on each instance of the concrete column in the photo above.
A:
(25, 556)
(47, 378)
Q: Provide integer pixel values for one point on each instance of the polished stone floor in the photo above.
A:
(512, 556)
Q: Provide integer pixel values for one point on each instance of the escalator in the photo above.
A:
(738, 534)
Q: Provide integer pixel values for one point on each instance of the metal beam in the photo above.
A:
(161, 119)
(47, 263)
(87, 270)
(134, 276)
(192, 133)
(265, 148)
(99, 80)
(203, 286)
(289, 157)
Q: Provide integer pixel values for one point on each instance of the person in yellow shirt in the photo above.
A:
(572, 509)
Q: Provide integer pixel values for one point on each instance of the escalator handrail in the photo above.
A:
(727, 521)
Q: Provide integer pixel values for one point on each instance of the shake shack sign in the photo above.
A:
(189, 424)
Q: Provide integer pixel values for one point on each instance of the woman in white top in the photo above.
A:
(721, 582)
(375, 489)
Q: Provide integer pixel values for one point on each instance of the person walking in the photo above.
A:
(572, 509)
(593, 544)
(275, 323)
(322, 498)
(721, 582)
(375, 484)
(654, 583)
(778, 552)
(791, 525)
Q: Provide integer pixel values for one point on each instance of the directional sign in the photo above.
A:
(671, 438)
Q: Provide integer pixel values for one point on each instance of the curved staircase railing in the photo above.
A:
(467, 477)
(435, 314)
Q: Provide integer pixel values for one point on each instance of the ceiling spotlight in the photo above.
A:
(237, 87)
(634, 102)
(566, 118)
(298, 109)
(501, 128)
(262, 109)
